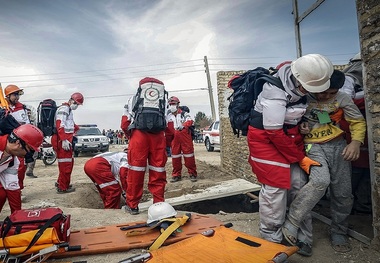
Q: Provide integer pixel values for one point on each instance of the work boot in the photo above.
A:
(30, 169)
(193, 178)
(68, 190)
(31, 175)
(304, 249)
(132, 211)
(56, 185)
(175, 179)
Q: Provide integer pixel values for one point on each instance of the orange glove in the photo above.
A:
(306, 163)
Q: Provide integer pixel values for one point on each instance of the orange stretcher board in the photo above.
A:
(107, 239)
(224, 245)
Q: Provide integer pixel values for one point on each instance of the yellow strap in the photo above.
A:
(173, 227)
(137, 232)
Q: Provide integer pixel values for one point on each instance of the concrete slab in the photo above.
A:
(224, 189)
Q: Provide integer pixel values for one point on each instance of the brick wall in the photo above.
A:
(234, 151)
(369, 28)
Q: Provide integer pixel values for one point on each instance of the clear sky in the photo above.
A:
(52, 48)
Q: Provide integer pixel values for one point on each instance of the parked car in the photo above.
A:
(90, 139)
(211, 137)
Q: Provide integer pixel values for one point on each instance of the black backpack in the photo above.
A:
(7, 122)
(246, 88)
(46, 117)
(192, 127)
(149, 107)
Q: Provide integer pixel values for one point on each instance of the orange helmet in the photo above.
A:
(30, 134)
(173, 99)
(78, 98)
(12, 89)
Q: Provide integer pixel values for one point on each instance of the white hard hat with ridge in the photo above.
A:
(313, 71)
(159, 211)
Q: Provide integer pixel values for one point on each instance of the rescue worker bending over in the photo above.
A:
(180, 121)
(107, 171)
(22, 142)
(63, 139)
(144, 122)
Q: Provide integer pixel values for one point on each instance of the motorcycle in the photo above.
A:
(46, 153)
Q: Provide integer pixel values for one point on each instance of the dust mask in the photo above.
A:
(173, 108)
(74, 106)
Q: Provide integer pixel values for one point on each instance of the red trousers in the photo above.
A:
(183, 145)
(21, 172)
(99, 171)
(146, 148)
(13, 196)
(65, 162)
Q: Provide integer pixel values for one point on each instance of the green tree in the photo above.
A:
(201, 120)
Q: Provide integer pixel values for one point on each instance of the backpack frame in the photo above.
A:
(246, 88)
(149, 108)
(46, 117)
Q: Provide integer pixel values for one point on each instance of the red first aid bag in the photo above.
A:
(25, 220)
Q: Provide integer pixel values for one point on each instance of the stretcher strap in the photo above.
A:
(152, 226)
(168, 231)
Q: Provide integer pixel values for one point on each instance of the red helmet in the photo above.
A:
(78, 98)
(283, 64)
(173, 99)
(12, 89)
(148, 79)
(30, 134)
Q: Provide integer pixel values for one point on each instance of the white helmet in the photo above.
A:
(357, 57)
(313, 71)
(159, 211)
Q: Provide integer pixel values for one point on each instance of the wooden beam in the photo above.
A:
(350, 232)
(224, 189)
(308, 11)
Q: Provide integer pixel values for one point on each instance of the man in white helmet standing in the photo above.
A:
(276, 147)
(63, 139)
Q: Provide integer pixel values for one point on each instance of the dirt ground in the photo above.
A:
(85, 207)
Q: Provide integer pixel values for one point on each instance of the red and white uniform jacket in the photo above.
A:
(19, 113)
(118, 162)
(8, 175)
(279, 144)
(127, 117)
(64, 121)
(179, 121)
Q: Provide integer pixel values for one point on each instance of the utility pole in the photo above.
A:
(297, 29)
(298, 19)
(211, 96)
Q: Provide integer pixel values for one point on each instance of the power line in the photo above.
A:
(91, 81)
(102, 75)
(124, 95)
(97, 70)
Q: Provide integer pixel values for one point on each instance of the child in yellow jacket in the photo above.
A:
(325, 143)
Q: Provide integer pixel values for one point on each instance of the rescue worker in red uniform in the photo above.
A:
(276, 145)
(63, 139)
(19, 112)
(107, 171)
(179, 122)
(144, 146)
(23, 141)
